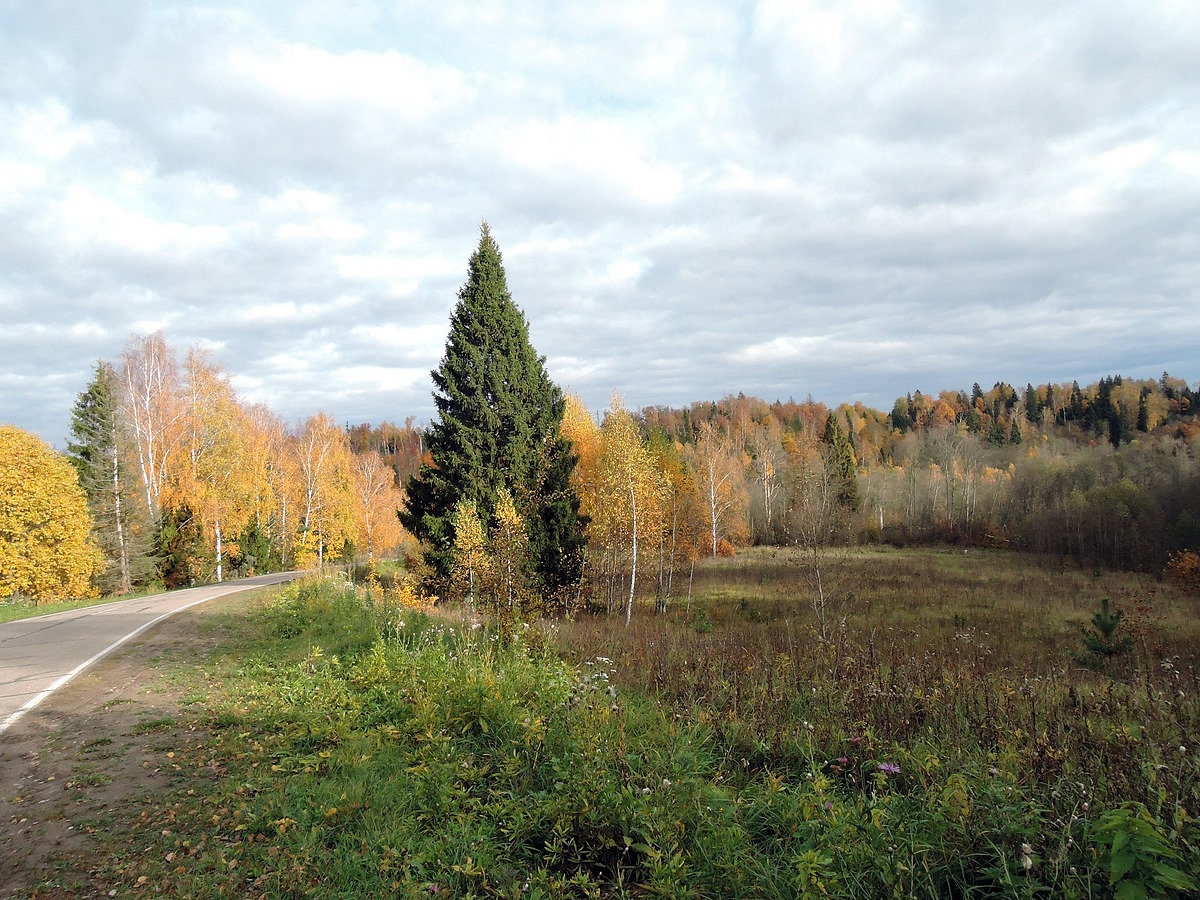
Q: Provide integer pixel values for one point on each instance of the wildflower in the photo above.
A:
(666, 782)
(828, 805)
(889, 768)
(1026, 857)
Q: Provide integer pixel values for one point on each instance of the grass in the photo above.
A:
(948, 741)
(13, 609)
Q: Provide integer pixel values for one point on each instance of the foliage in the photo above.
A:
(324, 489)
(1136, 855)
(46, 551)
(99, 452)
(1102, 638)
(497, 427)
(471, 559)
(1184, 569)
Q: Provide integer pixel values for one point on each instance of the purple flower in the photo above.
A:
(828, 805)
(889, 768)
(842, 760)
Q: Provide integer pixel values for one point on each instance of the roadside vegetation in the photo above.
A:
(955, 737)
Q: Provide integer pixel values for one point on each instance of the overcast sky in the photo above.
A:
(851, 200)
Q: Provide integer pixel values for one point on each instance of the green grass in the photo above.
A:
(12, 610)
(947, 742)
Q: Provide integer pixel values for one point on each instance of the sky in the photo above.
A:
(844, 200)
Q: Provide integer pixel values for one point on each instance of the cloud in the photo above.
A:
(782, 198)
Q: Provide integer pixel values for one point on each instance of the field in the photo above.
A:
(950, 736)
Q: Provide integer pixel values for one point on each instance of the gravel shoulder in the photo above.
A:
(80, 773)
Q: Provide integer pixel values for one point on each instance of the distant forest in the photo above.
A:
(1106, 474)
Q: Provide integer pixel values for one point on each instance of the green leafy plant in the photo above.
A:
(1136, 856)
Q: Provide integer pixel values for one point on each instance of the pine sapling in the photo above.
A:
(1102, 638)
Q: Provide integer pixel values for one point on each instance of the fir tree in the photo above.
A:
(119, 527)
(1033, 406)
(497, 428)
(844, 467)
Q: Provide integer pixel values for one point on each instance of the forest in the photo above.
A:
(186, 483)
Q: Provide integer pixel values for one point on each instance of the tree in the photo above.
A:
(633, 489)
(765, 442)
(96, 451)
(508, 597)
(150, 409)
(720, 480)
(498, 426)
(843, 464)
(216, 483)
(45, 547)
(377, 503)
(325, 504)
(470, 549)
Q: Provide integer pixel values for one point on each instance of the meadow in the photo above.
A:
(950, 737)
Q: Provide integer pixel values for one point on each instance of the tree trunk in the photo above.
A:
(122, 549)
(633, 567)
(217, 528)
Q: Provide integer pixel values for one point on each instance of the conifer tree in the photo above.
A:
(842, 461)
(121, 529)
(497, 427)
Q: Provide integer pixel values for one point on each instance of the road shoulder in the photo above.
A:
(93, 760)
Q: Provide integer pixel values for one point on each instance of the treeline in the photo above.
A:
(1103, 475)
(186, 483)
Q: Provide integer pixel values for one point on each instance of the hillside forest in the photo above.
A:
(185, 482)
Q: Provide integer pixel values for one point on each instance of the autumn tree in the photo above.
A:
(323, 487)
(632, 488)
(674, 536)
(97, 450)
(498, 426)
(377, 504)
(151, 410)
(506, 577)
(46, 551)
(269, 470)
(720, 483)
(765, 446)
(215, 484)
(581, 430)
(471, 561)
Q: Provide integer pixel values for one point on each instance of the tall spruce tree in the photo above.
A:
(497, 427)
(120, 529)
(843, 465)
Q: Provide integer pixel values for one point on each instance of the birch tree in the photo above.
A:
(325, 517)
(377, 502)
(633, 490)
(720, 482)
(149, 406)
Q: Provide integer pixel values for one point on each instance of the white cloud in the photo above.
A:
(692, 197)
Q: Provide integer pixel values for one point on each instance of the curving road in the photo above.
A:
(41, 654)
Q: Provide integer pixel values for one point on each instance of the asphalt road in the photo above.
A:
(41, 654)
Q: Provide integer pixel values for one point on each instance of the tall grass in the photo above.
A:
(928, 750)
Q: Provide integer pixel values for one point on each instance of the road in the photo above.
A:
(41, 654)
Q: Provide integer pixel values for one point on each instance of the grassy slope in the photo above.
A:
(945, 737)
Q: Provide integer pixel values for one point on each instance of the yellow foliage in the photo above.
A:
(1184, 569)
(45, 549)
(407, 596)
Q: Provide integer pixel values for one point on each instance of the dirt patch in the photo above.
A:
(81, 772)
